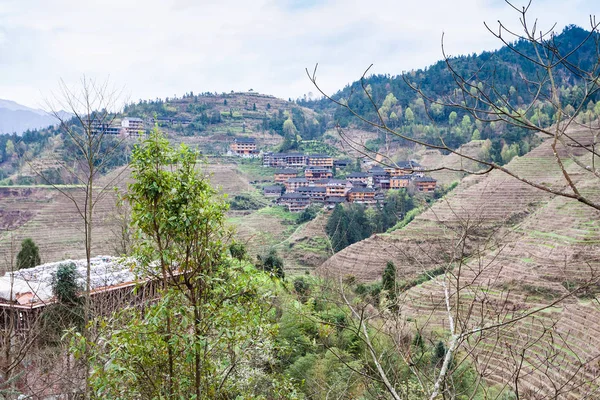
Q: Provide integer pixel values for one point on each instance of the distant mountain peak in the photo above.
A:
(17, 118)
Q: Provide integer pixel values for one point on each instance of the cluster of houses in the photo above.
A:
(304, 179)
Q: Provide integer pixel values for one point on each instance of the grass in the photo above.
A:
(317, 245)
(279, 212)
(254, 170)
(552, 235)
(406, 220)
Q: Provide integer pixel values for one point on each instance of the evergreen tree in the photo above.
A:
(272, 263)
(388, 281)
(238, 251)
(439, 352)
(64, 284)
(29, 256)
(336, 228)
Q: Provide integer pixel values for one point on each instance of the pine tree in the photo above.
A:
(29, 256)
(389, 281)
(336, 228)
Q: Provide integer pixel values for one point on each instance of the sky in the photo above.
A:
(161, 48)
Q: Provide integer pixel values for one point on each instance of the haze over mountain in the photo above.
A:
(16, 118)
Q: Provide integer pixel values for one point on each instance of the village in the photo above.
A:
(304, 179)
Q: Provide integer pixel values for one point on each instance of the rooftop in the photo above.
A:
(424, 179)
(275, 188)
(358, 175)
(311, 189)
(361, 190)
(34, 285)
(244, 140)
(286, 171)
(291, 196)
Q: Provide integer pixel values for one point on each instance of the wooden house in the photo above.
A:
(361, 195)
(282, 175)
(292, 184)
(295, 202)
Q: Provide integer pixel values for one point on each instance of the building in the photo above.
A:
(285, 160)
(331, 202)
(295, 202)
(342, 163)
(315, 173)
(400, 182)
(282, 175)
(133, 126)
(273, 191)
(293, 184)
(244, 147)
(416, 166)
(361, 195)
(380, 179)
(384, 183)
(337, 187)
(403, 168)
(358, 178)
(425, 184)
(25, 294)
(102, 128)
(320, 160)
(314, 192)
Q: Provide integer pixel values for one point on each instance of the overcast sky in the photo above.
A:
(161, 48)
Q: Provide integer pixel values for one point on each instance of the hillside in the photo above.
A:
(212, 120)
(523, 248)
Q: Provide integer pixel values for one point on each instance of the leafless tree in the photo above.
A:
(91, 108)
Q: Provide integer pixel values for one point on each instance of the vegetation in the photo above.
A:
(271, 263)
(355, 222)
(247, 201)
(29, 255)
(64, 285)
(426, 115)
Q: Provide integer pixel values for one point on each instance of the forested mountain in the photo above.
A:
(510, 74)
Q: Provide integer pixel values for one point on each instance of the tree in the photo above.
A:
(10, 148)
(200, 338)
(272, 263)
(92, 107)
(64, 284)
(289, 129)
(29, 256)
(388, 281)
(409, 116)
(238, 251)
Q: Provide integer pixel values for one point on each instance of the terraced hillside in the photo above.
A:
(517, 248)
(302, 247)
(52, 221)
(433, 159)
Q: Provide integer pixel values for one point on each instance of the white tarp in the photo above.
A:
(105, 271)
